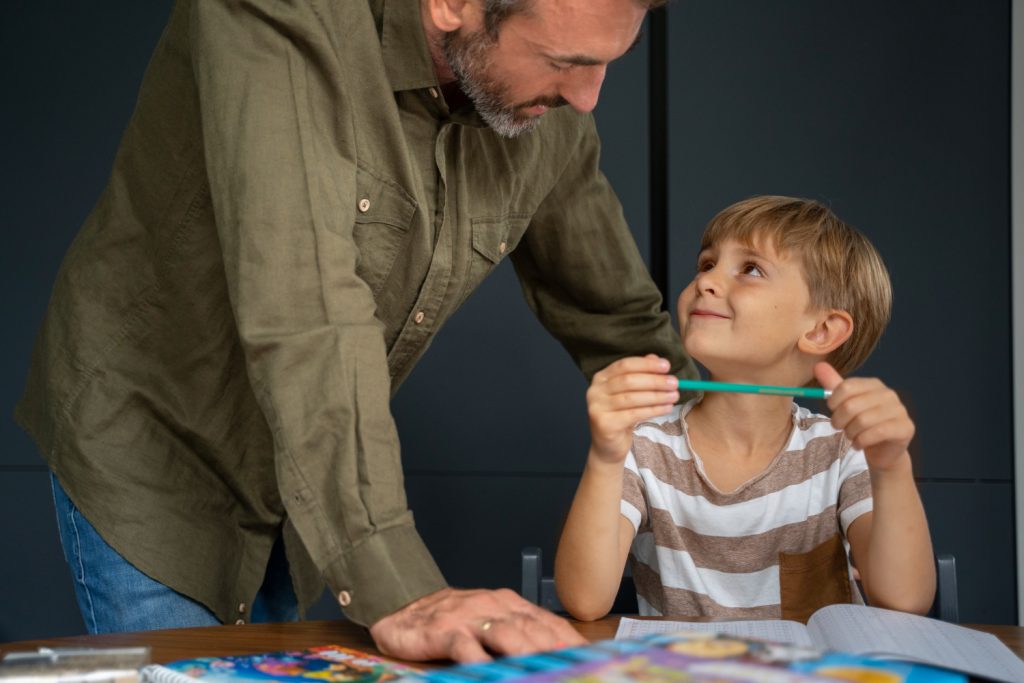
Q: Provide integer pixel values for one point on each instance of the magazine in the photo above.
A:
(688, 657)
(319, 664)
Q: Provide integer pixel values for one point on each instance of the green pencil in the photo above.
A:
(805, 392)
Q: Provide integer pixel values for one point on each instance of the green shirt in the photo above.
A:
(292, 215)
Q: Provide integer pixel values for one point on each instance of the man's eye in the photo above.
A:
(752, 269)
(560, 67)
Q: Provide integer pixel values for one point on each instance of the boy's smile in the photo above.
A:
(706, 313)
(744, 312)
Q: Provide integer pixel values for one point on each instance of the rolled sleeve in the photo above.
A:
(279, 154)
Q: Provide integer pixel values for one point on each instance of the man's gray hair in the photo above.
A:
(497, 11)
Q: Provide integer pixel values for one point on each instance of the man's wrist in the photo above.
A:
(384, 573)
(418, 602)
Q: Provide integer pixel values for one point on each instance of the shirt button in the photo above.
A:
(344, 598)
(364, 204)
(240, 622)
(241, 608)
(433, 93)
(418, 318)
(502, 247)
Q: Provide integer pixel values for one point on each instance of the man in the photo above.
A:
(305, 193)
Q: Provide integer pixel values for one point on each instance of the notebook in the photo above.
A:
(868, 631)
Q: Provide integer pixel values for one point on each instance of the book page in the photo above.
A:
(874, 631)
(774, 630)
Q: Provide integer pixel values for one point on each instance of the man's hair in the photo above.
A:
(842, 268)
(497, 11)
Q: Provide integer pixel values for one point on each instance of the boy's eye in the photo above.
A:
(752, 269)
(705, 266)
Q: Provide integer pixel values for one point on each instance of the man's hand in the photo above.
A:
(871, 414)
(465, 625)
(626, 392)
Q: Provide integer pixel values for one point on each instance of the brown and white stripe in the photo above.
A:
(701, 551)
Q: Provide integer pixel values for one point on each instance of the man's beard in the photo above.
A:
(469, 57)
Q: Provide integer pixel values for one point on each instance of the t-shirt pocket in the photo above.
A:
(384, 212)
(809, 581)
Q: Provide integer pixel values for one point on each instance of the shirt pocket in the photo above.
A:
(493, 239)
(384, 212)
(809, 581)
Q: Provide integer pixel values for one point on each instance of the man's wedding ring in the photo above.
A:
(486, 626)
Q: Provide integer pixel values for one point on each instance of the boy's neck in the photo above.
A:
(740, 427)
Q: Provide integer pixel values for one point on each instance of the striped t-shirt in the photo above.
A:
(774, 547)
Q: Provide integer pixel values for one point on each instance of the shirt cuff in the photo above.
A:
(383, 574)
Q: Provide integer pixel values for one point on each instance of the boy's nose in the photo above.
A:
(706, 281)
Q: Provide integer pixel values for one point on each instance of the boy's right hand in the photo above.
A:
(871, 415)
(626, 392)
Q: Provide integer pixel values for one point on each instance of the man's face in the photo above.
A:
(554, 53)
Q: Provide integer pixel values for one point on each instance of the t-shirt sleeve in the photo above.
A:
(854, 486)
(634, 496)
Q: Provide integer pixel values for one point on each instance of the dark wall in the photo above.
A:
(70, 74)
(897, 115)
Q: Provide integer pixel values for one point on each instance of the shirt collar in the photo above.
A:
(404, 45)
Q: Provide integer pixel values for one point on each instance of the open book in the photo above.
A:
(870, 631)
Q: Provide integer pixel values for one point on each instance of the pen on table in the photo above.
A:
(804, 392)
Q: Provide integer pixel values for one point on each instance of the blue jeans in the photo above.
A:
(114, 596)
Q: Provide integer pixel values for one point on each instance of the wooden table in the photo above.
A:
(217, 641)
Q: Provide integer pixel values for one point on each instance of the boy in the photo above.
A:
(749, 506)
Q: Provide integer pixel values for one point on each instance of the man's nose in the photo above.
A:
(583, 87)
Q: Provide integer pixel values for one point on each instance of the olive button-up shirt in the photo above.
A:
(292, 214)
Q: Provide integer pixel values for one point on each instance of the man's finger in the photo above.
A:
(565, 634)
(539, 634)
(562, 631)
(464, 648)
(507, 636)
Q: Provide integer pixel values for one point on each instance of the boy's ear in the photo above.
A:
(448, 15)
(832, 329)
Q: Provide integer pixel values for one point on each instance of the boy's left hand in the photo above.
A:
(871, 414)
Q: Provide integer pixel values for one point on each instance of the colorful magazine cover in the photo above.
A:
(326, 664)
(688, 657)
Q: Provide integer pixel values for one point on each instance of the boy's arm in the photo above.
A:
(594, 544)
(596, 538)
(891, 545)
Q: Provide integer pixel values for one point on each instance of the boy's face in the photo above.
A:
(744, 312)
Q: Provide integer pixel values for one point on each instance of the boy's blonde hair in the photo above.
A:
(842, 268)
